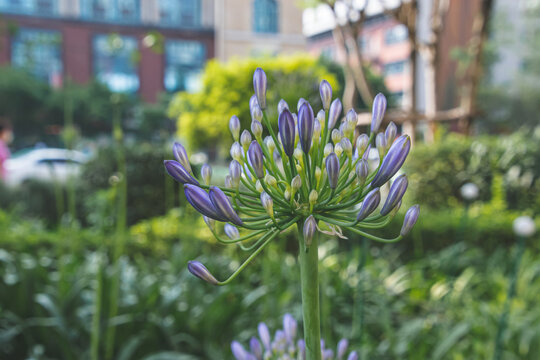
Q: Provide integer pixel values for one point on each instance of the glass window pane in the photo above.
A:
(184, 13)
(110, 10)
(184, 61)
(265, 16)
(396, 34)
(396, 67)
(115, 62)
(30, 7)
(39, 52)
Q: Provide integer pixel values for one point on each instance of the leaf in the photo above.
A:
(457, 332)
(170, 355)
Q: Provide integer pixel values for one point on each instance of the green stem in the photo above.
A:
(503, 321)
(309, 273)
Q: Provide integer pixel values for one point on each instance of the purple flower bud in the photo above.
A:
(267, 203)
(257, 129)
(264, 334)
(256, 112)
(235, 171)
(259, 85)
(236, 151)
(310, 227)
(296, 182)
(253, 101)
(410, 219)
(231, 231)
(336, 136)
(333, 114)
(305, 126)
(361, 144)
(390, 133)
(199, 199)
(362, 170)
(282, 105)
(370, 203)
(206, 174)
(180, 155)
(289, 327)
(301, 102)
(342, 346)
(380, 142)
(353, 356)
(328, 354)
(377, 114)
(332, 169)
(393, 160)
(256, 348)
(238, 351)
(325, 91)
(211, 223)
(223, 205)
(234, 127)
(287, 131)
(245, 139)
(397, 190)
(256, 159)
(200, 271)
(301, 347)
(351, 116)
(228, 182)
(316, 129)
(179, 173)
(346, 146)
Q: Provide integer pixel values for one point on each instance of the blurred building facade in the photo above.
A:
(257, 27)
(141, 46)
(385, 46)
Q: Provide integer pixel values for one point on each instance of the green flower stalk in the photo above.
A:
(308, 173)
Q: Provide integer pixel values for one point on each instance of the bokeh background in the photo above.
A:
(95, 238)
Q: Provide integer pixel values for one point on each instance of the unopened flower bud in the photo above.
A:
(336, 136)
(393, 160)
(316, 130)
(258, 186)
(259, 85)
(328, 148)
(310, 227)
(223, 205)
(325, 91)
(245, 139)
(343, 344)
(333, 114)
(318, 173)
(321, 117)
(282, 105)
(270, 180)
(397, 190)
(200, 271)
(297, 154)
(256, 113)
(270, 144)
(411, 216)
(347, 146)
(256, 348)
(313, 196)
(268, 204)
(200, 200)
(362, 171)
(255, 157)
(231, 231)
(305, 126)
(353, 356)
(332, 169)
(351, 119)
(234, 127)
(287, 131)
(179, 173)
(206, 174)
(257, 129)
(287, 195)
(236, 152)
(181, 156)
(390, 133)
(338, 149)
(377, 113)
(361, 144)
(370, 203)
(299, 104)
(228, 182)
(211, 223)
(380, 141)
(296, 183)
(235, 171)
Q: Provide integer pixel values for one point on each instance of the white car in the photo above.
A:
(47, 164)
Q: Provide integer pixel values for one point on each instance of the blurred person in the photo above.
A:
(6, 136)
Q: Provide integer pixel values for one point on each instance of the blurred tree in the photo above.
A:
(226, 89)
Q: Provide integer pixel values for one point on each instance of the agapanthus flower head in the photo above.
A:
(285, 345)
(307, 172)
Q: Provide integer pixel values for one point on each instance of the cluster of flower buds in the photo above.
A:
(284, 346)
(312, 170)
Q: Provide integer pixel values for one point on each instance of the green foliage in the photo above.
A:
(203, 117)
(437, 171)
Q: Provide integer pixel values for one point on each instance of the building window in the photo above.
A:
(39, 52)
(181, 13)
(110, 10)
(363, 42)
(396, 67)
(184, 61)
(115, 62)
(397, 98)
(30, 7)
(396, 35)
(265, 16)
